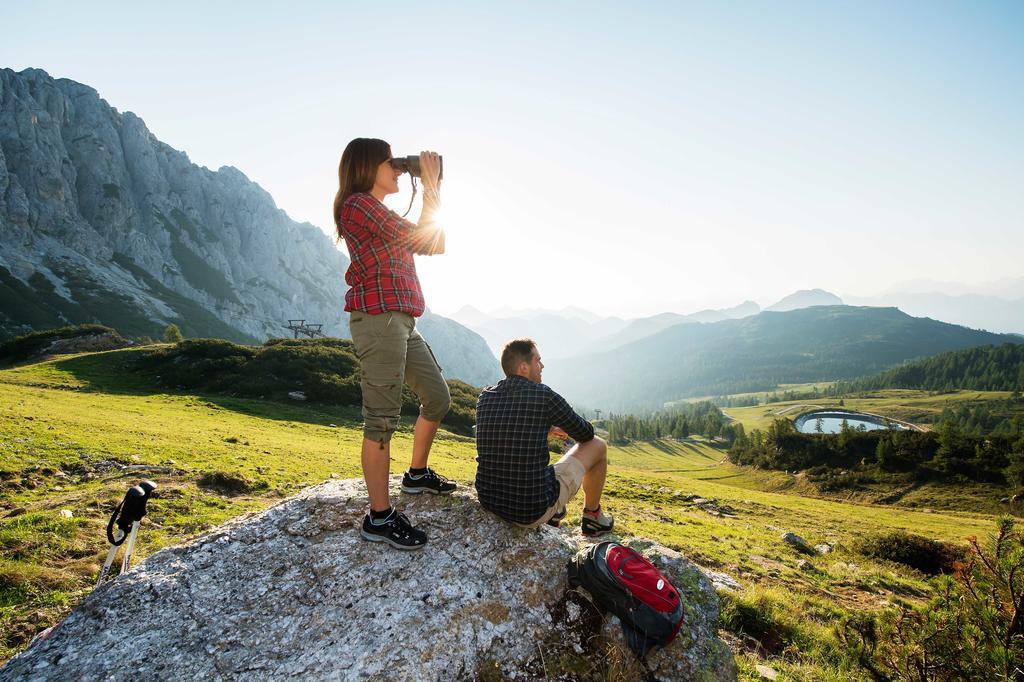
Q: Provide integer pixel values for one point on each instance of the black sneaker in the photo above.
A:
(556, 518)
(592, 527)
(429, 482)
(396, 530)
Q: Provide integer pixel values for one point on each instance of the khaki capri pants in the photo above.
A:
(391, 352)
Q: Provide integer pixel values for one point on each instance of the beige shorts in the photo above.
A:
(569, 471)
(392, 353)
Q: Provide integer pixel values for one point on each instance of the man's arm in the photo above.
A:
(560, 414)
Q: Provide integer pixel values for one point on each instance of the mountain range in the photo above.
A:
(805, 299)
(102, 222)
(979, 310)
(754, 353)
(573, 331)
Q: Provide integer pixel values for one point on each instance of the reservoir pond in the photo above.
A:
(832, 422)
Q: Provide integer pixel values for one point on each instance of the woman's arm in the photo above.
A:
(425, 238)
(428, 237)
(374, 217)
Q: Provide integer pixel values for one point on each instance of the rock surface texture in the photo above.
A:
(293, 592)
(102, 222)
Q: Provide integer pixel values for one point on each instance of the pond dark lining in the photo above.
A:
(832, 421)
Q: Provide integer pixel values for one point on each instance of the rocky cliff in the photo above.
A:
(294, 592)
(102, 222)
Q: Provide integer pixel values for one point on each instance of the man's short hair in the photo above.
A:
(515, 352)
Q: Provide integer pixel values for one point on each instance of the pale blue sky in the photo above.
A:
(629, 160)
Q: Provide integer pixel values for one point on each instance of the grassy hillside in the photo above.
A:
(71, 430)
(757, 353)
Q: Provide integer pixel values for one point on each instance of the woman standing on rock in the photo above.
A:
(384, 299)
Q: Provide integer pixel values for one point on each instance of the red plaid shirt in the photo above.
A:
(382, 275)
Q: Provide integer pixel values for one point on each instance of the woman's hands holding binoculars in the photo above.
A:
(430, 170)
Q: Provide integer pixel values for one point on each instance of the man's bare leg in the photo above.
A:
(593, 455)
(422, 440)
(376, 468)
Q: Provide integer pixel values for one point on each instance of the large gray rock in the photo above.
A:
(293, 592)
(102, 222)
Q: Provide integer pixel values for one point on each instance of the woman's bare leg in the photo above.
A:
(422, 440)
(376, 468)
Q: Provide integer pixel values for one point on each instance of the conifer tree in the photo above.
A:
(172, 334)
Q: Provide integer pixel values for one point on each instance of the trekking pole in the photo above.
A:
(126, 517)
(147, 487)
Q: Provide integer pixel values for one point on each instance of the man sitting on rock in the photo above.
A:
(514, 478)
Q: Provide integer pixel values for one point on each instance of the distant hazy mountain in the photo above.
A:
(1009, 288)
(756, 353)
(646, 326)
(572, 331)
(461, 352)
(469, 316)
(638, 329)
(555, 334)
(745, 309)
(102, 222)
(585, 315)
(973, 310)
(569, 311)
(805, 299)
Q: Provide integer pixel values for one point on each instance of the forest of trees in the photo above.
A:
(991, 417)
(736, 401)
(951, 451)
(682, 421)
(983, 368)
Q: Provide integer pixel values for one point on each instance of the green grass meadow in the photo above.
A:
(70, 426)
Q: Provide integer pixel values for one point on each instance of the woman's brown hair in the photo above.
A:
(357, 171)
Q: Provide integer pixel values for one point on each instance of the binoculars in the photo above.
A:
(411, 165)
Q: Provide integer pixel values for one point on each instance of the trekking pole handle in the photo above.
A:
(130, 510)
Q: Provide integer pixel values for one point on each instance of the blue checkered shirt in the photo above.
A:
(514, 477)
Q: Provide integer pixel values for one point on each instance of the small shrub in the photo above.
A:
(923, 554)
(229, 483)
(211, 349)
(327, 387)
(973, 627)
(325, 369)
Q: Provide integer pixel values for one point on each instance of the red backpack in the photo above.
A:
(622, 581)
